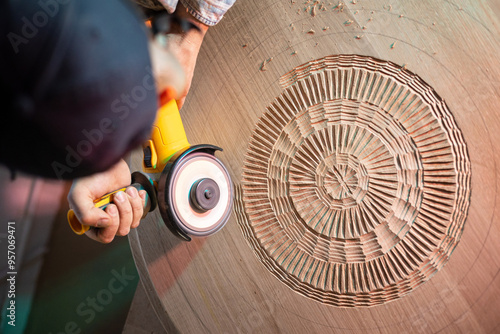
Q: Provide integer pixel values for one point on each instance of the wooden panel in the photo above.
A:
(217, 284)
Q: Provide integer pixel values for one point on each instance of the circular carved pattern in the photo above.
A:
(356, 182)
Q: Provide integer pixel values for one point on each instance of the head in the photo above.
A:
(77, 86)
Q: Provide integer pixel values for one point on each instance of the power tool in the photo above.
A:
(190, 186)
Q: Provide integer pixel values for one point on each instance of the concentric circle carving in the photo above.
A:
(356, 182)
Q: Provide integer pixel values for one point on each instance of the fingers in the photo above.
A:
(105, 233)
(124, 214)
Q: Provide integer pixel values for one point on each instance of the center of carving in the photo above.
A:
(340, 181)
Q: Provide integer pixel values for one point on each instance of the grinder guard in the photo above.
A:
(165, 198)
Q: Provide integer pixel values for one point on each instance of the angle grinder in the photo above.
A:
(194, 192)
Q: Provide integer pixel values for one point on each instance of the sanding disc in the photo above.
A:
(193, 168)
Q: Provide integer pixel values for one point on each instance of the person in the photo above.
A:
(79, 82)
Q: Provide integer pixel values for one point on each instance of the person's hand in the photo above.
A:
(118, 218)
(184, 46)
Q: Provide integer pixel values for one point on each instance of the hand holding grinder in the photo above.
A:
(193, 189)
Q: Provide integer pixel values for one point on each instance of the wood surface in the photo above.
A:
(218, 284)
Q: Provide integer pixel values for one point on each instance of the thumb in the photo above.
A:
(92, 216)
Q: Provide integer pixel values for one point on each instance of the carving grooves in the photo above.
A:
(356, 182)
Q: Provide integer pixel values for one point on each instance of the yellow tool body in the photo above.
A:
(167, 138)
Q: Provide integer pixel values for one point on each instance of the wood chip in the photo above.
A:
(311, 32)
(393, 45)
(264, 63)
(348, 22)
(340, 6)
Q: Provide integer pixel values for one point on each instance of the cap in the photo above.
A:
(77, 85)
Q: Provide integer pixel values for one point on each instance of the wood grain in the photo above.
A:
(217, 284)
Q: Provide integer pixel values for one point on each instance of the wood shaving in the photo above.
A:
(264, 63)
(340, 7)
(313, 12)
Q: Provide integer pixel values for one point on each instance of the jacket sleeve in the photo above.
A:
(208, 12)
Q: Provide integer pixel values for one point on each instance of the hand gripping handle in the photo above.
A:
(140, 181)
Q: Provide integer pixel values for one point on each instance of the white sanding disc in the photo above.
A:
(195, 167)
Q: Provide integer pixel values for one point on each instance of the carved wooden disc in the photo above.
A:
(244, 80)
(356, 182)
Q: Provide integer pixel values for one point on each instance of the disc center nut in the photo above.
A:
(204, 195)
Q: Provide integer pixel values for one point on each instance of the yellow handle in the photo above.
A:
(100, 203)
(167, 138)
